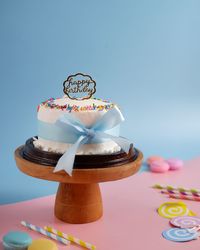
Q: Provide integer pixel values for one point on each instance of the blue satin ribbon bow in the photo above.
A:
(68, 123)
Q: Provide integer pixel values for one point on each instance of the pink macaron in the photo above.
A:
(159, 166)
(175, 164)
(154, 158)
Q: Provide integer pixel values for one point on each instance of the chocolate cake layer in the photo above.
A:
(31, 153)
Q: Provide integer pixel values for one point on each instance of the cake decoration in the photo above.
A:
(101, 129)
(76, 108)
(79, 86)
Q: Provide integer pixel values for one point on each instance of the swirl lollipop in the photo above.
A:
(185, 221)
(173, 209)
(179, 234)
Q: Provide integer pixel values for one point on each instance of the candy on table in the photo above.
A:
(182, 196)
(154, 158)
(43, 244)
(175, 164)
(172, 189)
(180, 234)
(185, 221)
(44, 232)
(179, 193)
(173, 209)
(16, 240)
(159, 166)
(71, 238)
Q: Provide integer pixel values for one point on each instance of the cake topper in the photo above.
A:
(79, 86)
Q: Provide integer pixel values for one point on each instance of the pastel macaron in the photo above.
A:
(159, 166)
(16, 240)
(154, 158)
(175, 164)
(43, 244)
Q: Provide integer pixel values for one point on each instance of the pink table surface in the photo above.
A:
(130, 220)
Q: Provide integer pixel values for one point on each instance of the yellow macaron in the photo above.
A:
(43, 244)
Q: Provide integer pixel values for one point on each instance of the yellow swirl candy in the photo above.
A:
(173, 209)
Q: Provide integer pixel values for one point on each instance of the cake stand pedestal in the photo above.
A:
(78, 198)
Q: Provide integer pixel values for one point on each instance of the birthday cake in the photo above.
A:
(52, 138)
(78, 130)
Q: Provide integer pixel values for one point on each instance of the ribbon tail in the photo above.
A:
(66, 161)
(121, 141)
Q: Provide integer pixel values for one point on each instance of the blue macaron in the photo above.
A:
(16, 240)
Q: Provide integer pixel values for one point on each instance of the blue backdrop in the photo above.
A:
(144, 55)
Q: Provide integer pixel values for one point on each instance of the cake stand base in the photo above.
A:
(78, 197)
(78, 203)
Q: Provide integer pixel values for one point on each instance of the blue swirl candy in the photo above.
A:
(179, 234)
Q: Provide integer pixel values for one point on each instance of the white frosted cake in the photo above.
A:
(52, 139)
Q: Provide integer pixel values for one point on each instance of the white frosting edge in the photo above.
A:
(108, 147)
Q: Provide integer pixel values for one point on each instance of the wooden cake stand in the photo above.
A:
(78, 198)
